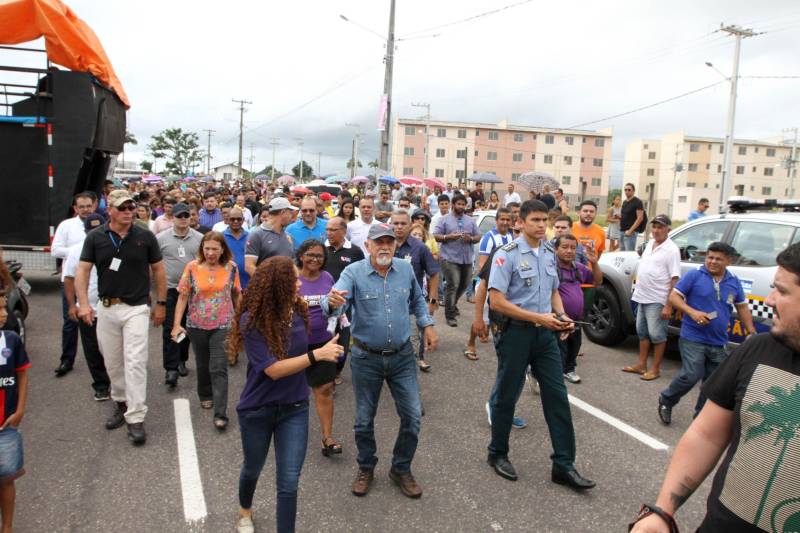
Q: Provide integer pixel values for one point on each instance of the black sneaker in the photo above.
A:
(664, 413)
(101, 395)
(136, 433)
(118, 417)
(452, 322)
(182, 370)
(171, 378)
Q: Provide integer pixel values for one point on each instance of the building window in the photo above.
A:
(477, 133)
(408, 150)
(597, 162)
(583, 140)
(766, 190)
(408, 171)
(690, 184)
(709, 147)
(462, 134)
(439, 172)
(708, 166)
(515, 176)
(740, 169)
(651, 155)
(227, 175)
(599, 142)
(549, 139)
(719, 168)
(722, 148)
(440, 152)
(533, 156)
(756, 149)
(566, 180)
(411, 130)
(476, 153)
(493, 136)
(651, 172)
(518, 137)
(548, 159)
(582, 159)
(534, 136)
(768, 171)
(681, 199)
(692, 167)
(596, 182)
(441, 132)
(645, 146)
(770, 152)
(461, 154)
(459, 174)
(694, 147)
(569, 140)
(491, 156)
(517, 158)
(567, 159)
(743, 150)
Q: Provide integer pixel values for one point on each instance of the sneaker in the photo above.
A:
(489, 413)
(452, 322)
(518, 423)
(101, 395)
(245, 525)
(664, 413)
(572, 377)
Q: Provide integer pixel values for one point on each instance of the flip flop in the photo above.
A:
(633, 369)
(650, 376)
(469, 354)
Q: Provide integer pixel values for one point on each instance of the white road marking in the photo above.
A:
(194, 504)
(619, 424)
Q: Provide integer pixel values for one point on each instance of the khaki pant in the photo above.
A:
(122, 332)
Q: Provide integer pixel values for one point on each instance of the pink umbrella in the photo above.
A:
(432, 183)
(359, 179)
(411, 181)
(286, 179)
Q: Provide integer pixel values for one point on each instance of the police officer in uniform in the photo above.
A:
(523, 293)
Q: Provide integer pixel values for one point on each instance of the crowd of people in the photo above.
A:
(299, 287)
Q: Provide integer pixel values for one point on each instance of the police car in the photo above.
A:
(758, 229)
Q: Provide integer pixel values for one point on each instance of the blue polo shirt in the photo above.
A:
(701, 292)
(415, 252)
(237, 247)
(300, 232)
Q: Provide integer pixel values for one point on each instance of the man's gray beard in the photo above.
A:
(383, 261)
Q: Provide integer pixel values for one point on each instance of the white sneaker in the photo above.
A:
(572, 377)
(245, 525)
(489, 413)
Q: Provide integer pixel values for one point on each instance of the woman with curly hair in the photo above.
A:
(272, 324)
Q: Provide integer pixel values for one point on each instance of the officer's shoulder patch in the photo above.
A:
(510, 246)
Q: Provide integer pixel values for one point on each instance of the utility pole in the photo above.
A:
(388, 60)
(427, 136)
(274, 142)
(356, 141)
(725, 186)
(252, 157)
(675, 169)
(466, 155)
(300, 141)
(241, 126)
(208, 150)
(791, 163)
(319, 163)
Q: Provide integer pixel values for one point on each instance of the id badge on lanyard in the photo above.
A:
(116, 262)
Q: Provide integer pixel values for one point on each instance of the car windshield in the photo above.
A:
(759, 243)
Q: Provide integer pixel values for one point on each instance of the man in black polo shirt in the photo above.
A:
(341, 253)
(124, 255)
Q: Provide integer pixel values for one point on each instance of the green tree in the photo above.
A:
(350, 163)
(147, 165)
(781, 416)
(268, 172)
(612, 193)
(308, 171)
(374, 163)
(181, 150)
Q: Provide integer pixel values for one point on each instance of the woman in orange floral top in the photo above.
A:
(210, 288)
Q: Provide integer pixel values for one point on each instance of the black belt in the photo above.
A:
(377, 351)
(523, 323)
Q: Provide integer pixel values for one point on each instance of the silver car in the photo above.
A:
(757, 236)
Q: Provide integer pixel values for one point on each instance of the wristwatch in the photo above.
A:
(433, 301)
(161, 302)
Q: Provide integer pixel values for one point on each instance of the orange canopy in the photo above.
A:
(70, 42)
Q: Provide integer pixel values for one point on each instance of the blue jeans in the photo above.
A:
(400, 372)
(69, 333)
(288, 424)
(698, 363)
(649, 324)
(628, 244)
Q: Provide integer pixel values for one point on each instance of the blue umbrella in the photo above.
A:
(391, 180)
(485, 177)
(337, 179)
(328, 175)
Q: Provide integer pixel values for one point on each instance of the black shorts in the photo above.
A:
(321, 372)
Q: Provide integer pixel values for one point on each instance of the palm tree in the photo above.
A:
(781, 416)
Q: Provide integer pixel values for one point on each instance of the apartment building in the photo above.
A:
(578, 159)
(674, 172)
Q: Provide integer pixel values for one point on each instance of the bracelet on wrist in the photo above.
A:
(311, 358)
(647, 510)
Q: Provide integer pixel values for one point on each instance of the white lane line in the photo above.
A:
(617, 423)
(194, 504)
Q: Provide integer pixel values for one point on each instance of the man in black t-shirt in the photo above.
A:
(632, 220)
(753, 410)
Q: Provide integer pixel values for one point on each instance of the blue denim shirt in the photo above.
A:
(381, 305)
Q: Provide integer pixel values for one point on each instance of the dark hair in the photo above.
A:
(219, 238)
(789, 259)
(459, 198)
(565, 237)
(563, 218)
(512, 205)
(85, 194)
(169, 200)
(588, 202)
(406, 198)
(345, 201)
(703, 201)
(225, 205)
(502, 211)
(306, 246)
(265, 209)
(560, 191)
(631, 185)
(442, 198)
(531, 206)
(722, 248)
(210, 194)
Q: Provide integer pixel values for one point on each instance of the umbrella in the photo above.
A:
(361, 179)
(152, 179)
(189, 179)
(262, 177)
(285, 179)
(300, 189)
(536, 180)
(432, 183)
(391, 180)
(328, 175)
(134, 179)
(485, 177)
(207, 179)
(411, 181)
(337, 179)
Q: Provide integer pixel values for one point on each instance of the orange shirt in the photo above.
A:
(593, 236)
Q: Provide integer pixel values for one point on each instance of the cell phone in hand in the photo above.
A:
(180, 338)
(712, 315)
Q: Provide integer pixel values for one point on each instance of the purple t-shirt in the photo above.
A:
(570, 290)
(260, 389)
(312, 292)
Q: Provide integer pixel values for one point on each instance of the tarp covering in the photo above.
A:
(69, 41)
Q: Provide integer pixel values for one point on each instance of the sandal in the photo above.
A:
(206, 404)
(471, 355)
(423, 365)
(650, 376)
(330, 449)
(633, 369)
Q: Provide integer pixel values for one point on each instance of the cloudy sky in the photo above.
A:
(540, 63)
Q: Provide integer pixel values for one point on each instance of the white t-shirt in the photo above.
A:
(513, 197)
(357, 231)
(70, 268)
(654, 272)
(221, 226)
(68, 232)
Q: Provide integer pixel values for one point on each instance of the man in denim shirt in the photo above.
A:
(381, 290)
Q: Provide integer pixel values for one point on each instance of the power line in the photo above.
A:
(469, 19)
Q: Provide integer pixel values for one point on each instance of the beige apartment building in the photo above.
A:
(674, 172)
(578, 159)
